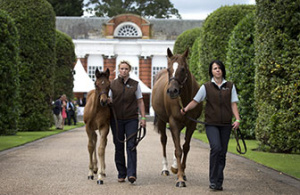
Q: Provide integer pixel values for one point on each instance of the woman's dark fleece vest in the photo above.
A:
(124, 99)
(218, 103)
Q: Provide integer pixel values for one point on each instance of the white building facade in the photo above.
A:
(102, 43)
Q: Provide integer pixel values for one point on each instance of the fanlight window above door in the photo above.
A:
(128, 30)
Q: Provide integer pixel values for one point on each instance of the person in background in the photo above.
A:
(71, 112)
(221, 104)
(81, 102)
(126, 98)
(63, 111)
(57, 113)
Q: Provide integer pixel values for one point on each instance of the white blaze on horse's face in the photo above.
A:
(175, 66)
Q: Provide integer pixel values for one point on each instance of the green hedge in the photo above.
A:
(9, 76)
(277, 82)
(35, 21)
(241, 70)
(186, 40)
(65, 60)
(217, 28)
(194, 61)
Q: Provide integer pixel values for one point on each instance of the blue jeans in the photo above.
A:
(218, 138)
(126, 128)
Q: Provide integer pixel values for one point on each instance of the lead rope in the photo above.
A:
(139, 133)
(236, 132)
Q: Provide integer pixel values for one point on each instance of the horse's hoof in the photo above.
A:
(90, 177)
(184, 178)
(174, 170)
(99, 182)
(180, 184)
(165, 173)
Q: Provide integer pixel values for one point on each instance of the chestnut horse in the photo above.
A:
(97, 117)
(174, 87)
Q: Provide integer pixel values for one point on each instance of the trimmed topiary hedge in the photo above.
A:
(186, 40)
(241, 70)
(217, 28)
(277, 82)
(194, 64)
(194, 61)
(35, 21)
(9, 75)
(65, 60)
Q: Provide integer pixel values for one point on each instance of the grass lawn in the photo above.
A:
(285, 163)
(22, 138)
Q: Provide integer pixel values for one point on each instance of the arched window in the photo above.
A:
(128, 30)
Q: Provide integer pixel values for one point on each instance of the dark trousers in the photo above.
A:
(71, 115)
(218, 138)
(126, 128)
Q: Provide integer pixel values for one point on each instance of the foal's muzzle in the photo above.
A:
(103, 99)
(103, 103)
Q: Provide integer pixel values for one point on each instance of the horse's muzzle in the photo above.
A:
(173, 93)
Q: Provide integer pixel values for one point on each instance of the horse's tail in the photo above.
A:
(155, 122)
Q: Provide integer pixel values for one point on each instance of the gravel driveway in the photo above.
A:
(59, 165)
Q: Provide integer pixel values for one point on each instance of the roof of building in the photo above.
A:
(94, 27)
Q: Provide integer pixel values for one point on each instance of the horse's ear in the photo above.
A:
(97, 73)
(186, 53)
(107, 73)
(170, 54)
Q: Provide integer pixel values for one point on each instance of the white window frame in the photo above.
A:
(124, 26)
(94, 61)
(157, 65)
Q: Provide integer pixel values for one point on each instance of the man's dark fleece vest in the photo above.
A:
(124, 99)
(218, 103)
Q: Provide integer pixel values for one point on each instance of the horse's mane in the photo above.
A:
(158, 75)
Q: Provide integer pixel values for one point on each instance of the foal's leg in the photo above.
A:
(95, 162)
(161, 125)
(91, 148)
(101, 153)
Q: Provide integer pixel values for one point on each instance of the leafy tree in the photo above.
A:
(194, 64)
(65, 60)
(194, 61)
(9, 75)
(35, 21)
(241, 70)
(217, 29)
(277, 79)
(186, 40)
(144, 8)
(67, 7)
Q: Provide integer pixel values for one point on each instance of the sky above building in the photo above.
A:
(200, 9)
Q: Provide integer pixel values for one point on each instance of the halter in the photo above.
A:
(102, 92)
(181, 83)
